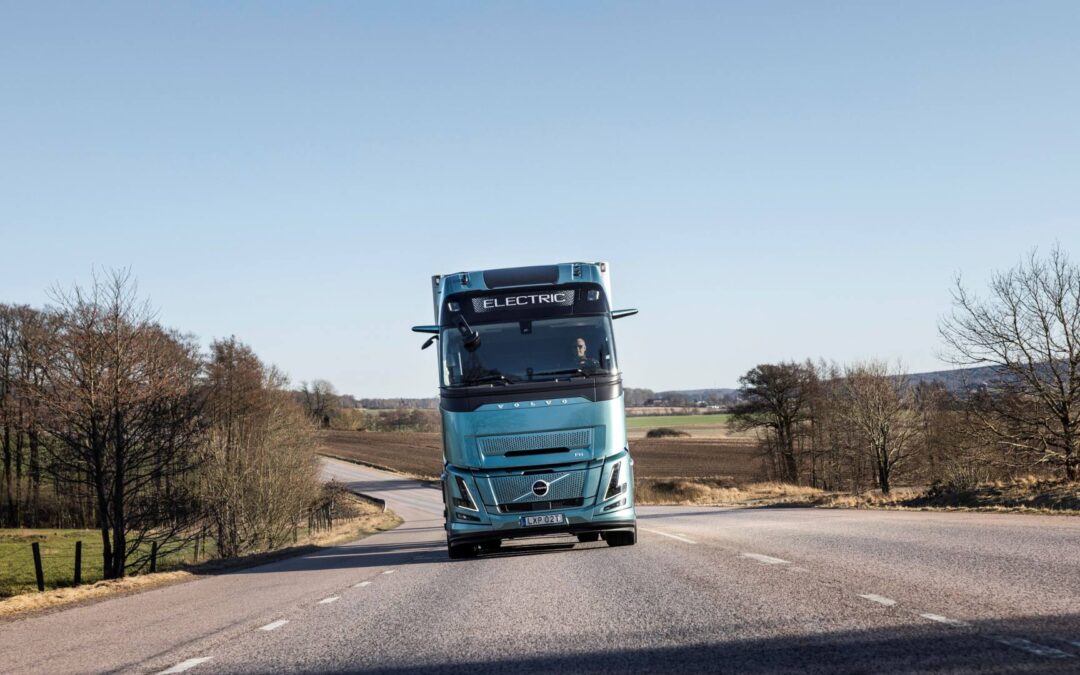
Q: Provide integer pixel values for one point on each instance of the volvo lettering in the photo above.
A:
(534, 429)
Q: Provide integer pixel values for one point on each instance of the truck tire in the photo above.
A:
(585, 537)
(622, 538)
(461, 551)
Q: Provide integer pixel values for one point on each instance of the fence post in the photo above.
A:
(153, 557)
(37, 566)
(78, 563)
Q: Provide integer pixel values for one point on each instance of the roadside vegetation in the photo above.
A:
(121, 432)
(1005, 435)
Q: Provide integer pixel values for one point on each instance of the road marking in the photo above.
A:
(332, 598)
(768, 560)
(943, 619)
(388, 572)
(879, 599)
(673, 536)
(1034, 648)
(362, 584)
(275, 624)
(185, 665)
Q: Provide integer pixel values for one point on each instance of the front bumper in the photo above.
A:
(485, 521)
(487, 534)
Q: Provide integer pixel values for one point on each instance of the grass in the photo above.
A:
(1023, 495)
(58, 552)
(650, 421)
(58, 558)
(721, 491)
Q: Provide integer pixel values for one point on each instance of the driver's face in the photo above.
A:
(580, 347)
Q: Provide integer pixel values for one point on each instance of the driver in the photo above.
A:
(584, 361)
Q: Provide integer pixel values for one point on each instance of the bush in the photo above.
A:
(666, 432)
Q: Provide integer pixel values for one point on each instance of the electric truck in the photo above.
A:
(531, 401)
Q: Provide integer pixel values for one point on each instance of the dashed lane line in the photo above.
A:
(943, 619)
(767, 559)
(1033, 648)
(185, 665)
(389, 572)
(274, 625)
(332, 598)
(678, 537)
(362, 584)
(879, 599)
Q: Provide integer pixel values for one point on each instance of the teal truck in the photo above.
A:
(534, 429)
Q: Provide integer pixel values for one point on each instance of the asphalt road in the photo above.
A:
(705, 590)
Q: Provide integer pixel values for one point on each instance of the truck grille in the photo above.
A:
(519, 489)
(525, 507)
(554, 440)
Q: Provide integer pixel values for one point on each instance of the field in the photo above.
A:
(653, 421)
(57, 558)
(420, 454)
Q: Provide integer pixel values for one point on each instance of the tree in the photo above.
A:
(261, 471)
(320, 400)
(877, 404)
(1028, 326)
(776, 398)
(120, 395)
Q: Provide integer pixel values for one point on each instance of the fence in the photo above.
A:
(30, 562)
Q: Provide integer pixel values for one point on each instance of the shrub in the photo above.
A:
(666, 432)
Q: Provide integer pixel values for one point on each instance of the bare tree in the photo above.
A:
(877, 405)
(776, 399)
(120, 394)
(1029, 327)
(261, 473)
(320, 399)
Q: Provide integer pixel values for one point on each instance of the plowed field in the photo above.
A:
(420, 454)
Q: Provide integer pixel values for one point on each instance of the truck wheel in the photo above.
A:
(461, 551)
(588, 536)
(625, 538)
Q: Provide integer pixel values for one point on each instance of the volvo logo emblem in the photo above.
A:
(540, 488)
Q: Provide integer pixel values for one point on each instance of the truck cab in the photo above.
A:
(534, 429)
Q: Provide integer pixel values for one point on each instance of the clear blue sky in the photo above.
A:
(769, 180)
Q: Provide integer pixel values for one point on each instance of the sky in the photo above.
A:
(768, 180)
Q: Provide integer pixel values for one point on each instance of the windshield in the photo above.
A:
(530, 351)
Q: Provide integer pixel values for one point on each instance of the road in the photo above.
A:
(705, 590)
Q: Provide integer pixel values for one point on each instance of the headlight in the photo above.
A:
(617, 484)
(464, 499)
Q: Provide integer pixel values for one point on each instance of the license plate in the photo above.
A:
(549, 519)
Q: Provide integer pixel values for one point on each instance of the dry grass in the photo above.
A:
(721, 491)
(371, 519)
(1024, 495)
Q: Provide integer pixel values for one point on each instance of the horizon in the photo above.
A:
(769, 183)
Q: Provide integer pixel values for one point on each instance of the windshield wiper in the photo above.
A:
(573, 371)
(491, 377)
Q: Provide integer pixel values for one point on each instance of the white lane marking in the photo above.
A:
(388, 572)
(768, 560)
(879, 599)
(273, 625)
(332, 598)
(185, 665)
(1034, 648)
(362, 584)
(681, 538)
(943, 619)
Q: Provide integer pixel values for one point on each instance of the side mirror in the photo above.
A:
(618, 313)
(427, 344)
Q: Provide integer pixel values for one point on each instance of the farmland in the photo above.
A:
(420, 454)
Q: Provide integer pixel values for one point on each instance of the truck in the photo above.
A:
(531, 403)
